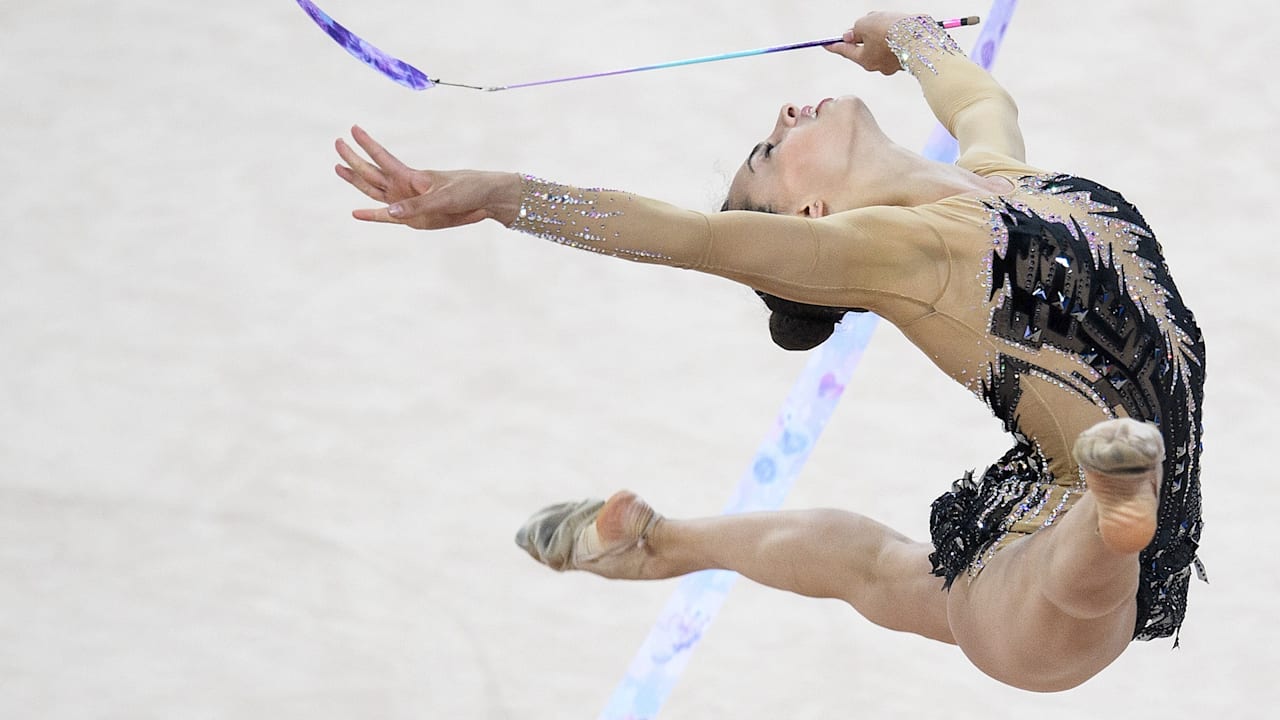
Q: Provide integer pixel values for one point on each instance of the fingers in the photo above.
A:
(417, 220)
(379, 215)
(379, 154)
(423, 212)
(849, 51)
(865, 44)
(850, 46)
(375, 193)
(372, 174)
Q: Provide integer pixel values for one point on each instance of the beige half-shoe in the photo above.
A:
(1120, 447)
(550, 535)
(1123, 461)
(568, 536)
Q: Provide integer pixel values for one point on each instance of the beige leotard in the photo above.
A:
(1050, 301)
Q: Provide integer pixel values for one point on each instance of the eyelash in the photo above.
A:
(768, 149)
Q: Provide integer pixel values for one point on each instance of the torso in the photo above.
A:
(1059, 312)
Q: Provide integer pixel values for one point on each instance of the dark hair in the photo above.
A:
(795, 325)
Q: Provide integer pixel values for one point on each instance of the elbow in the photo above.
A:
(993, 101)
(999, 99)
(1010, 105)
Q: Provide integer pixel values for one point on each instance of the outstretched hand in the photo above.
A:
(425, 199)
(865, 43)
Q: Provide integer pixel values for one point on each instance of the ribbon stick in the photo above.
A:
(411, 77)
(665, 652)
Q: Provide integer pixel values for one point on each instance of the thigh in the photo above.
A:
(908, 596)
(1012, 632)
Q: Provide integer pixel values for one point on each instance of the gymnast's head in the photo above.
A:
(813, 162)
(812, 165)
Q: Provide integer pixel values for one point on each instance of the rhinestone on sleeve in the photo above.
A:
(917, 41)
(573, 216)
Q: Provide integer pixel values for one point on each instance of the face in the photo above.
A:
(804, 161)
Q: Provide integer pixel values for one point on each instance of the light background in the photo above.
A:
(258, 460)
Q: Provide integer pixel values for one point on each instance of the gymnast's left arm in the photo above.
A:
(850, 259)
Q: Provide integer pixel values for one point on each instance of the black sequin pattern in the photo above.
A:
(974, 514)
(1093, 286)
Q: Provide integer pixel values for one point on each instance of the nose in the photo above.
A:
(786, 118)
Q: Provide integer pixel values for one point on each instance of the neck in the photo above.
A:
(897, 176)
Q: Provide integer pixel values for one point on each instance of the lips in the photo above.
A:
(811, 111)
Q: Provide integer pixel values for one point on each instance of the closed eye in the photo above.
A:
(764, 149)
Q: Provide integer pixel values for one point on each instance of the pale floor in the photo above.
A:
(260, 461)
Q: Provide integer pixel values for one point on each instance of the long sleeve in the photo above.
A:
(973, 107)
(871, 258)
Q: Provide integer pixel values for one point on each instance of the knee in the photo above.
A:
(1087, 597)
(1053, 657)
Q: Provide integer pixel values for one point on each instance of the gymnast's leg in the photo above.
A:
(1053, 609)
(819, 553)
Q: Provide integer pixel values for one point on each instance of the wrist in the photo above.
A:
(918, 40)
(503, 202)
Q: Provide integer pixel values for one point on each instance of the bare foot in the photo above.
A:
(607, 538)
(1122, 465)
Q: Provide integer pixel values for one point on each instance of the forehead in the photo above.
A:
(749, 188)
(737, 196)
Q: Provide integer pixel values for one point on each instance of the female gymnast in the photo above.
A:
(1043, 293)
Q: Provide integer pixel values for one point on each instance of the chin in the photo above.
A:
(853, 100)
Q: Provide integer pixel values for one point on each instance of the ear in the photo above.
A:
(815, 209)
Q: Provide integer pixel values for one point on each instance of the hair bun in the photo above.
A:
(800, 326)
(796, 333)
